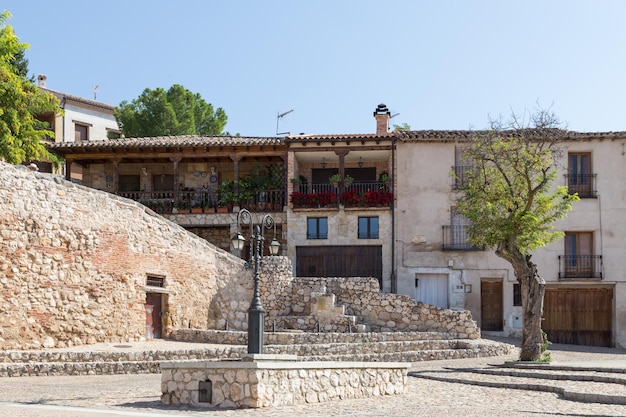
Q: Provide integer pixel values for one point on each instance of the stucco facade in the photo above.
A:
(425, 206)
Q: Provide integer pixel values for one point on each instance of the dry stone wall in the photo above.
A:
(292, 300)
(74, 263)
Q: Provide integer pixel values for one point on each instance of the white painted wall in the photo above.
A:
(425, 196)
(99, 122)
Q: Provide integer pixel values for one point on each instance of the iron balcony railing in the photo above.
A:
(580, 267)
(461, 176)
(457, 238)
(583, 184)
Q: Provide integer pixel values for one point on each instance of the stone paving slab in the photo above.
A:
(139, 395)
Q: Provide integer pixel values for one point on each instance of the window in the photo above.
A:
(317, 228)
(462, 168)
(155, 281)
(517, 295)
(81, 132)
(579, 176)
(368, 227)
(578, 254)
(459, 224)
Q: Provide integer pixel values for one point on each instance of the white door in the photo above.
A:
(432, 289)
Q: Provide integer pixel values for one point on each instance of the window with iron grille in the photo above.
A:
(368, 227)
(155, 281)
(317, 228)
(517, 295)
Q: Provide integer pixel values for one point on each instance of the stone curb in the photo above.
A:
(567, 394)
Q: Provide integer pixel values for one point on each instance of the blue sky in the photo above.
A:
(438, 64)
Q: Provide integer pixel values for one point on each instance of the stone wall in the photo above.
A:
(74, 263)
(271, 384)
(283, 296)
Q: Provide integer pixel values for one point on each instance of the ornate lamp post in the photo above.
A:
(255, 313)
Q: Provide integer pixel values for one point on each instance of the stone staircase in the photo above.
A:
(575, 383)
(392, 347)
(323, 314)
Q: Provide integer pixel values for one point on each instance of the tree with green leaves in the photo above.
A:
(512, 205)
(21, 134)
(174, 112)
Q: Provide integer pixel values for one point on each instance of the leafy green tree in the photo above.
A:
(404, 127)
(20, 102)
(512, 205)
(174, 112)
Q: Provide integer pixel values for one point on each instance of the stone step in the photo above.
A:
(359, 348)
(15, 357)
(299, 337)
(600, 386)
(152, 366)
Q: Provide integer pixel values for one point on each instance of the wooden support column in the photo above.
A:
(342, 157)
(68, 169)
(236, 159)
(116, 175)
(175, 161)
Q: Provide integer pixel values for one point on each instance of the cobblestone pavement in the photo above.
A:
(138, 395)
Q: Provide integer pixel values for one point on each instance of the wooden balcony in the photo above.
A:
(184, 202)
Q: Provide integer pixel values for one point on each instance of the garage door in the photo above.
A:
(339, 261)
(578, 316)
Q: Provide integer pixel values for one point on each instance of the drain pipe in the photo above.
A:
(393, 278)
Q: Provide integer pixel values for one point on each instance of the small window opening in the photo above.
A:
(155, 281)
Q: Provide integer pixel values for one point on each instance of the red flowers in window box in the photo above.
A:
(380, 198)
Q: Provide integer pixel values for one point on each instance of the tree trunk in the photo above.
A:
(533, 288)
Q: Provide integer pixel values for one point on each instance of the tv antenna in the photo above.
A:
(95, 90)
(280, 116)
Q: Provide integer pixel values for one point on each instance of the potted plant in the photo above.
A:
(384, 179)
(196, 208)
(335, 180)
(296, 180)
(348, 180)
(183, 207)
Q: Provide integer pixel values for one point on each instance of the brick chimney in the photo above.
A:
(382, 115)
(41, 80)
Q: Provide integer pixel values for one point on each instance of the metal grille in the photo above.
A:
(155, 281)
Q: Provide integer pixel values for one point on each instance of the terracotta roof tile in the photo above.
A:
(169, 141)
(336, 138)
(462, 135)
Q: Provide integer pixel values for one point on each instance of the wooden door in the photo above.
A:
(579, 316)
(153, 316)
(491, 305)
(339, 261)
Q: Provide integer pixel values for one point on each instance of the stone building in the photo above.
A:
(80, 266)
(390, 215)
(81, 120)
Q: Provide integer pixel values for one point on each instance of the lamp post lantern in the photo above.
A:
(256, 311)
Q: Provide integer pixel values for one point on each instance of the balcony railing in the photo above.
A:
(580, 267)
(461, 176)
(358, 194)
(165, 202)
(583, 184)
(457, 238)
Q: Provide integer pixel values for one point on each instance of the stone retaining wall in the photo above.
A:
(74, 263)
(283, 295)
(271, 384)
